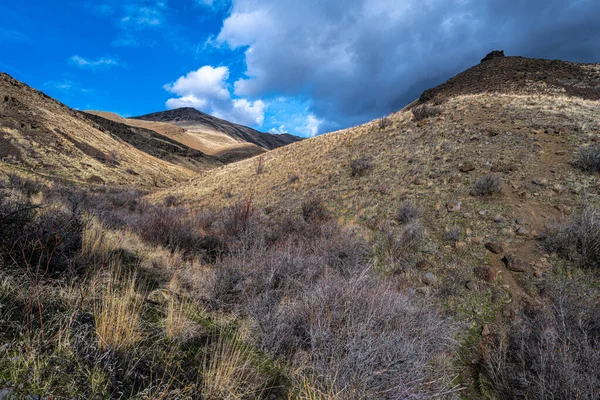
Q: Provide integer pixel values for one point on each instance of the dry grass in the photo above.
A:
(178, 326)
(117, 312)
(52, 140)
(230, 372)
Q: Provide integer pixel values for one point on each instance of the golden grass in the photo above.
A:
(62, 144)
(231, 372)
(306, 389)
(178, 326)
(117, 312)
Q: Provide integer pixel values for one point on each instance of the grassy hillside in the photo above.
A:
(41, 135)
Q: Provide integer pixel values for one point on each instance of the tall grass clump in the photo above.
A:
(231, 371)
(117, 312)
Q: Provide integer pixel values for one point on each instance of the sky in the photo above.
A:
(300, 66)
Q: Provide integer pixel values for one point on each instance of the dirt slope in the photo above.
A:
(39, 134)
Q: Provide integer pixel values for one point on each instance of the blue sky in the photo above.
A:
(304, 67)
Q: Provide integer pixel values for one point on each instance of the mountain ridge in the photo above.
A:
(193, 119)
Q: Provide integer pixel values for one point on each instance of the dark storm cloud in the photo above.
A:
(359, 59)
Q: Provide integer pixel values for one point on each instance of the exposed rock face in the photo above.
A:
(493, 54)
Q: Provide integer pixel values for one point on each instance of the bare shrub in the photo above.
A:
(588, 158)
(424, 111)
(173, 228)
(313, 209)
(170, 201)
(260, 165)
(453, 234)
(25, 185)
(384, 122)
(408, 212)
(326, 330)
(578, 240)
(360, 166)
(51, 242)
(15, 213)
(487, 185)
(551, 352)
(398, 247)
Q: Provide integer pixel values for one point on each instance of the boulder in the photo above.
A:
(492, 55)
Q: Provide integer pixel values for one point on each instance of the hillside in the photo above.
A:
(39, 134)
(450, 250)
(432, 156)
(216, 144)
(157, 145)
(204, 124)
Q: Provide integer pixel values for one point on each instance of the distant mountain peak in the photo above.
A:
(191, 118)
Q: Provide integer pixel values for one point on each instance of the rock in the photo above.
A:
(560, 153)
(423, 265)
(498, 219)
(558, 188)
(485, 331)
(476, 240)
(492, 55)
(467, 167)
(424, 290)
(513, 264)
(522, 231)
(540, 182)
(487, 274)
(159, 296)
(494, 247)
(429, 279)
(472, 286)
(454, 206)
(6, 394)
(504, 167)
(460, 245)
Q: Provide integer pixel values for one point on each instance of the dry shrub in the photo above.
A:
(487, 185)
(408, 212)
(578, 240)
(424, 111)
(117, 312)
(588, 158)
(551, 352)
(313, 209)
(359, 167)
(362, 339)
(397, 247)
(173, 228)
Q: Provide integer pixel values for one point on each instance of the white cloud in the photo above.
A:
(141, 15)
(100, 63)
(207, 90)
(206, 82)
(187, 101)
(66, 86)
(311, 127)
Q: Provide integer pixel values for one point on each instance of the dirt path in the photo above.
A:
(532, 212)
